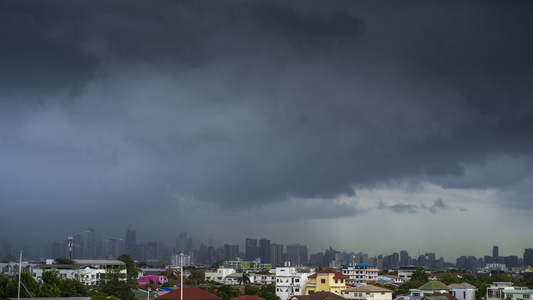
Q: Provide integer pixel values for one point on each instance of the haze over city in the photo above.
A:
(368, 126)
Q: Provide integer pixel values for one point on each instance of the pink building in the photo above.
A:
(151, 279)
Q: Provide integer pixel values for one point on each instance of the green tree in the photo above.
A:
(195, 277)
(251, 290)
(420, 275)
(130, 268)
(244, 279)
(64, 261)
(72, 288)
(319, 268)
(226, 292)
(448, 278)
(268, 291)
(112, 284)
(51, 283)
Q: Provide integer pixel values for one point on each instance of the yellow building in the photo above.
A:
(327, 280)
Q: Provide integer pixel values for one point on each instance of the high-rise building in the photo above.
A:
(113, 247)
(130, 245)
(296, 254)
(181, 243)
(276, 255)
(430, 259)
(231, 252)
(495, 252)
(252, 251)
(264, 250)
(528, 257)
(404, 258)
(89, 244)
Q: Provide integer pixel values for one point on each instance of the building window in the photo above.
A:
(297, 290)
(336, 281)
(322, 280)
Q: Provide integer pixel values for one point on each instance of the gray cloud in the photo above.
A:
(242, 105)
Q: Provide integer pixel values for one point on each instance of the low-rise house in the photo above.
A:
(327, 280)
(463, 291)
(150, 279)
(495, 291)
(367, 292)
(516, 293)
(219, 275)
(406, 272)
(290, 282)
(430, 287)
(390, 279)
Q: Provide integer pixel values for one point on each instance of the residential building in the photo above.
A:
(360, 272)
(495, 291)
(327, 280)
(406, 272)
(367, 292)
(219, 275)
(517, 293)
(264, 251)
(429, 288)
(290, 282)
(87, 271)
(113, 247)
(438, 296)
(463, 291)
(240, 265)
(142, 280)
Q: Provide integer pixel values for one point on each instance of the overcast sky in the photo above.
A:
(373, 126)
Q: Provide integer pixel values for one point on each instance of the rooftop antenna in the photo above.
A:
(69, 247)
(20, 271)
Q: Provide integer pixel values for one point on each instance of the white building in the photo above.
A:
(367, 292)
(360, 272)
(495, 291)
(219, 275)
(516, 293)
(463, 291)
(390, 279)
(87, 271)
(290, 282)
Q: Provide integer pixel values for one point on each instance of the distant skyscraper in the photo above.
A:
(430, 259)
(130, 246)
(181, 243)
(89, 244)
(276, 255)
(495, 251)
(113, 247)
(264, 250)
(528, 257)
(231, 252)
(404, 258)
(296, 254)
(252, 251)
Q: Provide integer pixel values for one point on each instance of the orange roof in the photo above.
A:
(190, 293)
(337, 274)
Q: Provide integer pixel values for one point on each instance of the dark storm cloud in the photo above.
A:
(412, 208)
(244, 104)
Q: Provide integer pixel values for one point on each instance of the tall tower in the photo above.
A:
(252, 251)
(495, 252)
(297, 254)
(181, 243)
(264, 250)
(89, 243)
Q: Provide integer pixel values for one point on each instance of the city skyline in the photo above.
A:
(369, 125)
(404, 256)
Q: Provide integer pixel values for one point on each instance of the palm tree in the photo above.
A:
(245, 279)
